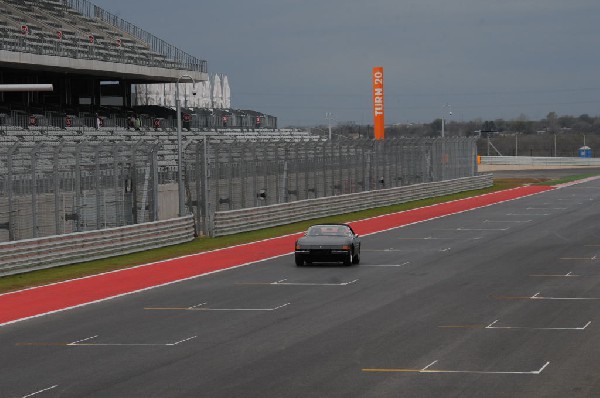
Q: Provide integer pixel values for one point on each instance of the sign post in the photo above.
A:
(378, 108)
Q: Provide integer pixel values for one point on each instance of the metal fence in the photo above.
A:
(235, 175)
(50, 190)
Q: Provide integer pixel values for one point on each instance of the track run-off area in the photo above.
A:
(496, 294)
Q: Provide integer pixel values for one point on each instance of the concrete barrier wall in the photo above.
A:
(34, 254)
(235, 221)
(539, 161)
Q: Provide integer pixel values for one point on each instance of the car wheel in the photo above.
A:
(299, 261)
(348, 260)
(356, 258)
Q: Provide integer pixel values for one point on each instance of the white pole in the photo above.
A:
(25, 87)
(179, 166)
(180, 187)
(329, 116)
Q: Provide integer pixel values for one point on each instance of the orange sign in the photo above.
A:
(378, 118)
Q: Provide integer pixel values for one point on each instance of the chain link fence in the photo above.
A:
(228, 175)
(56, 189)
(52, 189)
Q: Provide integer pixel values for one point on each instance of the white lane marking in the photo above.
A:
(527, 214)
(183, 341)
(428, 369)
(241, 309)
(86, 339)
(534, 372)
(199, 308)
(385, 265)
(509, 221)
(196, 306)
(309, 284)
(446, 249)
(386, 250)
(426, 238)
(132, 344)
(472, 229)
(430, 365)
(595, 257)
(491, 326)
(40, 391)
(567, 275)
(538, 297)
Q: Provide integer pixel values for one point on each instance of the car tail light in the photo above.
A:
(345, 247)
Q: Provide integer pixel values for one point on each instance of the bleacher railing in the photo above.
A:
(192, 122)
(183, 59)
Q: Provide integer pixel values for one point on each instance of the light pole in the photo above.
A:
(180, 187)
(443, 114)
(329, 117)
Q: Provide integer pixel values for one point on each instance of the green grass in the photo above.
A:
(36, 278)
(564, 180)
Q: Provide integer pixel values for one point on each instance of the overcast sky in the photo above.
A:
(299, 59)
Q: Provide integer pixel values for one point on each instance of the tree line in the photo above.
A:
(552, 136)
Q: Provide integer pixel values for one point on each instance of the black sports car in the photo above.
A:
(328, 243)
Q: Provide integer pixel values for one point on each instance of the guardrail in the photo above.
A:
(242, 220)
(35, 254)
(539, 161)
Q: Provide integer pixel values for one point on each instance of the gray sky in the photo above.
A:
(299, 59)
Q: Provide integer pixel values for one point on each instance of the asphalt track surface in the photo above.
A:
(499, 301)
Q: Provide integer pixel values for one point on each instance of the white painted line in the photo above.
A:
(567, 275)
(196, 306)
(283, 283)
(199, 308)
(40, 391)
(527, 215)
(386, 250)
(239, 309)
(491, 326)
(472, 229)
(482, 229)
(86, 339)
(538, 297)
(546, 208)
(385, 265)
(446, 249)
(428, 369)
(565, 298)
(508, 221)
(595, 257)
(426, 238)
(534, 372)
(132, 344)
(430, 365)
(184, 340)
(309, 284)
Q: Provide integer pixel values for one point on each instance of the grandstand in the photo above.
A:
(93, 58)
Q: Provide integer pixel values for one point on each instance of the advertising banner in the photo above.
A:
(378, 109)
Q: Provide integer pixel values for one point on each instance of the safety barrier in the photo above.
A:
(539, 161)
(35, 254)
(242, 220)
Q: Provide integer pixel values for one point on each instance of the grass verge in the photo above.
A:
(42, 277)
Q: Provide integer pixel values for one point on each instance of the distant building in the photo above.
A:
(214, 93)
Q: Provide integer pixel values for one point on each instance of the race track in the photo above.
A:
(499, 301)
